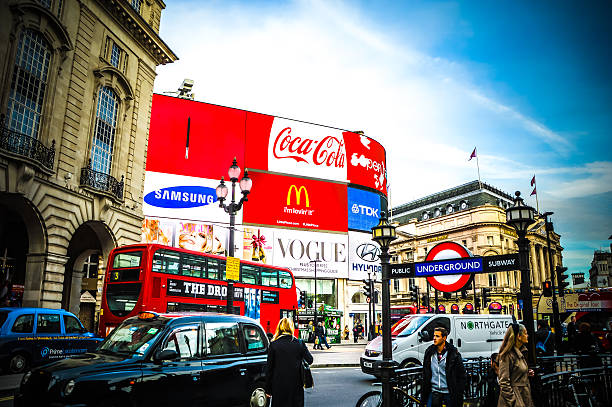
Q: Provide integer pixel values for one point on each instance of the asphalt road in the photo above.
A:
(338, 387)
(334, 387)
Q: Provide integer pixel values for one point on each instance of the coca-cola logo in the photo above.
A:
(328, 151)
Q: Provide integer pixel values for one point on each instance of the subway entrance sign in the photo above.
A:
(450, 266)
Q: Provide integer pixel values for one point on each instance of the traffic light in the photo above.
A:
(486, 296)
(425, 300)
(561, 277)
(367, 289)
(376, 296)
(464, 294)
(310, 303)
(547, 289)
(447, 296)
(414, 293)
(303, 298)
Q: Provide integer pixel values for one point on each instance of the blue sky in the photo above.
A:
(526, 82)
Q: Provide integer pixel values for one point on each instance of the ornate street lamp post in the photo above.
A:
(520, 217)
(384, 234)
(232, 208)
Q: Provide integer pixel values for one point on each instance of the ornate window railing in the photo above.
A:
(25, 146)
(101, 181)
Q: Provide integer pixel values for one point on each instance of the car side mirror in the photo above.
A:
(166, 354)
(424, 336)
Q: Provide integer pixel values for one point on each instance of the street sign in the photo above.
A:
(232, 268)
(449, 251)
(403, 270)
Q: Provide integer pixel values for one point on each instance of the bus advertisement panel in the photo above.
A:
(152, 277)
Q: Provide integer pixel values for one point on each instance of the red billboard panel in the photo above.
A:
(193, 138)
(300, 203)
(366, 162)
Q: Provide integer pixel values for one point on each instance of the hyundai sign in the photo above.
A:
(363, 209)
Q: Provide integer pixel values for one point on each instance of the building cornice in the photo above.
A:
(140, 30)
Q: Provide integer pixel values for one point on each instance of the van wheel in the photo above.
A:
(258, 396)
(18, 363)
(408, 363)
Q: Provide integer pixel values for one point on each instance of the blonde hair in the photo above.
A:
(284, 327)
(510, 340)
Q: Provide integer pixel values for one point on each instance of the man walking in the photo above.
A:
(443, 373)
(321, 338)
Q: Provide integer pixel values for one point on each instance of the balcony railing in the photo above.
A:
(25, 146)
(101, 181)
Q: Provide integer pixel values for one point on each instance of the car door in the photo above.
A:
(176, 382)
(47, 334)
(256, 356)
(224, 376)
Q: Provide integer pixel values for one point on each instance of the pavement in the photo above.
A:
(345, 354)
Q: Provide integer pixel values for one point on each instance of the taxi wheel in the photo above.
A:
(258, 396)
(18, 363)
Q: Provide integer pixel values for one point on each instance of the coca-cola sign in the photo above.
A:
(305, 149)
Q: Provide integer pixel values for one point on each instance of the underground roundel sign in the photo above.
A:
(446, 251)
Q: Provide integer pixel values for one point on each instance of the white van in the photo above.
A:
(474, 335)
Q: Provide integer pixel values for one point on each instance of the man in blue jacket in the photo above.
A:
(443, 373)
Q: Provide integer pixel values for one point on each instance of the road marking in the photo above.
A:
(3, 399)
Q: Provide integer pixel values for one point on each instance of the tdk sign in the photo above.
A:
(181, 197)
(363, 209)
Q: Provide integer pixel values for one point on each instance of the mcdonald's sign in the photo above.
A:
(296, 203)
(298, 195)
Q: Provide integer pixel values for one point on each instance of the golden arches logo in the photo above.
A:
(298, 195)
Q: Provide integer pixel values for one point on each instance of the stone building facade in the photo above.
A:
(600, 274)
(77, 81)
(474, 216)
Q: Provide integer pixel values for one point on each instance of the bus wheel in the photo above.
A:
(258, 396)
(18, 363)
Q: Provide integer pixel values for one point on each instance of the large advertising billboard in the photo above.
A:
(297, 250)
(182, 197)
(364, 260)
(198, 236)
(363, 209)
(292, 202)
(366, 162)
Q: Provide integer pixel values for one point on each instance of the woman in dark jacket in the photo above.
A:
(284, 381)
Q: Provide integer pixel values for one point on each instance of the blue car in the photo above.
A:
(34, 336)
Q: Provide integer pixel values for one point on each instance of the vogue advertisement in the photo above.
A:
(296, 250)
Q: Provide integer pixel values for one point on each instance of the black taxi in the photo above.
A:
(202, 359)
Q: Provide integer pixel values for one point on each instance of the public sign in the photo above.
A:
(450, 282)
(232, 268)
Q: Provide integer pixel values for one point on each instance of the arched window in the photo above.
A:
(29, 83)
(358, 298)
(105, 128)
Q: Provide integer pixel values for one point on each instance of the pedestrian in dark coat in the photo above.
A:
(492, 396)
(585, 343)
(447, 384)
(546, 338)
(284, 382)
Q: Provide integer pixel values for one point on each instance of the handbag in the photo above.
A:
(307, 375)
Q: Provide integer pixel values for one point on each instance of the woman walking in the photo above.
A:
(514, 372)
(284, 382)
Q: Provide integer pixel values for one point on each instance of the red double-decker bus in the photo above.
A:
(152, 277)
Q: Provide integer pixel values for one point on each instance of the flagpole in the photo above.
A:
(478, 166)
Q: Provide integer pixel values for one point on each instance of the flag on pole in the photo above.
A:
(534, 192)
(533, 182)
(473, 154)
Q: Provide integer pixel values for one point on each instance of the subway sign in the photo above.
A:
(465, 265)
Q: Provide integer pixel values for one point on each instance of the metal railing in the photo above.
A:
(101, 181)
(25, 146)
(550, 386)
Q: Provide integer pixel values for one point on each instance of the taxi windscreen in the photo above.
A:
(132, 337)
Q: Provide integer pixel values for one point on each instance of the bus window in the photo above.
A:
(166, 261)
(216, 269)
(269, 277)
(122, 298)
(127, 260)
(193, 266)
(250, 274)
(285, 279)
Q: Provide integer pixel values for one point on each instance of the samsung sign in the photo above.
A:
(363, 209)
(181, 197)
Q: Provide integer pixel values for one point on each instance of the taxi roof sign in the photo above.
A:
(147, 315)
